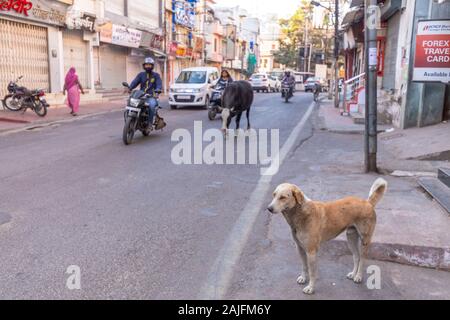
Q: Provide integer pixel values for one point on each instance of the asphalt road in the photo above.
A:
(141, 227)
(137, 225)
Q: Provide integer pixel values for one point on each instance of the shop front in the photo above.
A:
(116, 43)
(78, 41)
(29, 43)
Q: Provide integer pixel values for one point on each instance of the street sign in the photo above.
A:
(432, 61)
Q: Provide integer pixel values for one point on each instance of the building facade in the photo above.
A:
(401, 101)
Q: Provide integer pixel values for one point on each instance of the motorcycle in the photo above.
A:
(316, 92)
(136, 116)
(215, 106)
(13, 100)
(286, 92)
(20, 98)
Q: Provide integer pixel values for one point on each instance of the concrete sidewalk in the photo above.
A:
(413, 151)
(412, 228)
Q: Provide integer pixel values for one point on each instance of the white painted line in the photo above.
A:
(220, 275)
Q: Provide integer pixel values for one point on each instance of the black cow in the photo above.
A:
(237, 98)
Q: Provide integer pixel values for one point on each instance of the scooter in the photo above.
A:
(215, 105)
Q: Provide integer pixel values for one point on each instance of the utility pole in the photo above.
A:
(371, 18)
(305, 52)
(336, 54)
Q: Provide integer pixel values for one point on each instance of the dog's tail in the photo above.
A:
(377, 192)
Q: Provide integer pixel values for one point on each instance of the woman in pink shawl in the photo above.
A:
(73, 87)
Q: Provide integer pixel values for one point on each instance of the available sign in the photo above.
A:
(432, 62)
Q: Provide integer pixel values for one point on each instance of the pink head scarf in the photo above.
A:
(71, 78)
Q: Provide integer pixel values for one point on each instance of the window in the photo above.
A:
(215, 44)
(192, 77)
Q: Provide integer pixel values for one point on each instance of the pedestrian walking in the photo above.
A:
(73, 87)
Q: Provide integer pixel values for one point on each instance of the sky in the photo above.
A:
(259, 8)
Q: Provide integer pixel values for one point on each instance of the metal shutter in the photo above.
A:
(75, 55)
(23, 51)
(113, 66)
(390, 59)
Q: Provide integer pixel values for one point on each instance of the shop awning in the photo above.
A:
(352, 16)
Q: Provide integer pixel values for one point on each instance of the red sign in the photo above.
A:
(20, 6)
(173, 48)
(432, 62)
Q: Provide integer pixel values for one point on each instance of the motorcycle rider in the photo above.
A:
(225, 79)
(151, 83)
(289, 79)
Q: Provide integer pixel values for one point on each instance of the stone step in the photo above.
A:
(358, 118)
(444, 176)
(437, 190)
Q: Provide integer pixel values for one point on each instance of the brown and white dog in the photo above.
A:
(313, 223)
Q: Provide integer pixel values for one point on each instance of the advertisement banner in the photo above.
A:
(432, 61)
(119, 35)
(184, 13)
(126, 37)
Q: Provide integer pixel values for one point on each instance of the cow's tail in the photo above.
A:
(377, 191)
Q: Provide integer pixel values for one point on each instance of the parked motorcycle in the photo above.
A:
(20, 98)
(13, 100)
(215, 106)
(286, 92)
(136, 116)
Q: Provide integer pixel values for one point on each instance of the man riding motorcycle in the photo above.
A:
(289, 79)
(151, 84)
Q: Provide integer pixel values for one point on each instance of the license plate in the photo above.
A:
(134, 109)
(184, 97)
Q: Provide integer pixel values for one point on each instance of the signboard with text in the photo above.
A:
(120, 35)
(42, 11)
(432, 61)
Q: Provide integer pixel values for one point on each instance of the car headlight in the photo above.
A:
(134, 102)
(173, 90)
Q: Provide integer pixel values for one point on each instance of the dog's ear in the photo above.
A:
(298, 195)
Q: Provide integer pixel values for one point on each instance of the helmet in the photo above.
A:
(149, 60)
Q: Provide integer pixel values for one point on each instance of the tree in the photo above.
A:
(293, 32)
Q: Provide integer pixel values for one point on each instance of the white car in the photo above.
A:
(193, 87)
(263, 82)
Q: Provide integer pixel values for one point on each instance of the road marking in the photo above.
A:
(219, 277)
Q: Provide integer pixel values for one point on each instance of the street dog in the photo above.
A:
(313, 223)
